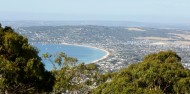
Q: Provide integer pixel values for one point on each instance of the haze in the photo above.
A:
(157, 11)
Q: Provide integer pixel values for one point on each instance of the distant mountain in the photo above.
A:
(98, 23)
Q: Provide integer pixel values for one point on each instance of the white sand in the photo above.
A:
(95, 61)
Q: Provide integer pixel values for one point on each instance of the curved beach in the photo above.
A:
(95, 61)
(104, 57)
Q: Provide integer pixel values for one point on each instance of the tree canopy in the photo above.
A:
(70, 76)
(21, 69)
(158, 73)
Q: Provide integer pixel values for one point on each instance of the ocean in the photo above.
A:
(83, 54)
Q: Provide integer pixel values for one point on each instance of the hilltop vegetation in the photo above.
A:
(71, 77)
(158, 73)
(21, 69)
(21, 72)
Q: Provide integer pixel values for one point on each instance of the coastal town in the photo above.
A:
(126, 45)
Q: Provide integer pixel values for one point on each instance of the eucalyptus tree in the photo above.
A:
(158, 73)
(21, 69)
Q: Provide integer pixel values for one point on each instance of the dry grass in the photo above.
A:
(154, 38)
(184, 36)
(182, 42)
(135, 29)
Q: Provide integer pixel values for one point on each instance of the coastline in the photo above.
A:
(95, 61)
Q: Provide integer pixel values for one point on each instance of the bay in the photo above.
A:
(82, 53)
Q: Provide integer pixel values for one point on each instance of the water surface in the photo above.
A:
(82, 53)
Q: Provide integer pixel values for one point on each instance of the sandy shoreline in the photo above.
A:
(95, 61)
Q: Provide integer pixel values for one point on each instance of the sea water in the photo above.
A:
(82, 53)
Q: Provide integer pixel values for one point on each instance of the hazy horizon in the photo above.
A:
(148, 11)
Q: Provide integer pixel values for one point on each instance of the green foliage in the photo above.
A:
(159, 73)
(72, 77)
(21, 69)
(61, 60)
(77, 78)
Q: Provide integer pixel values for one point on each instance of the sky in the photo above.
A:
(157, 11)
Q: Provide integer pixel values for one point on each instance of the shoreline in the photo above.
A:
(95, 61)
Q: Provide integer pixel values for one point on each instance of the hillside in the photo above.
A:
(158, 73)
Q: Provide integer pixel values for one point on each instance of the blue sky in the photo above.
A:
(161, 11)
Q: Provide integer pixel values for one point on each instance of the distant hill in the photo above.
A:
(27, 23)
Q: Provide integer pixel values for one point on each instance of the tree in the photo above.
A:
(158, 73)
(70, 76)
(21, 69)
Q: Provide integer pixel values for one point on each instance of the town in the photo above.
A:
(126, 44)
